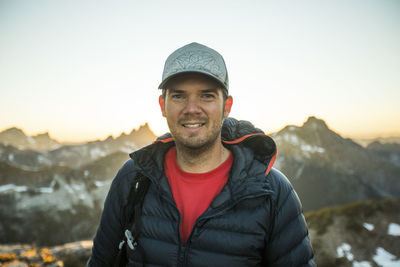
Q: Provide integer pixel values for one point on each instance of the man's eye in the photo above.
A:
(208, 96)
(177, 96)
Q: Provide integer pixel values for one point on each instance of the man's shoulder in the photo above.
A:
(278, 180)
(127, 167)
(280, 186)
(125, 175)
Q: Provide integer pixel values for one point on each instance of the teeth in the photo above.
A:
(192, 125)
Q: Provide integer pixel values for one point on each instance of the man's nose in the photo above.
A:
(192, 105)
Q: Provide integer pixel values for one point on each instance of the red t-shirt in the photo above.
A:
(194, 192)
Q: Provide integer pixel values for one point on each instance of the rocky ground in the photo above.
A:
(68, 255)
(360, 234)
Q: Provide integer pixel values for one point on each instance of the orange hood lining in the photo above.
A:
(271, 162)
(240, 139)
(170, 139)
(167, 140)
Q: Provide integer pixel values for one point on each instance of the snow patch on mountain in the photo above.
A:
(385, 259)
(394, 229)
(43, 160)
(99, 183)
(69, 189)
(13, 187)
(96, 153)
(9, 188)
(292, 139)
(46, 190)
(61, 199)
(31, 140)
(344, 251)
(49, 189)
(312, 149)
(28, 168)
(362, 264)
(368, 226)
(126, 150)
(77, 187)
(382, 257)
(130, 144)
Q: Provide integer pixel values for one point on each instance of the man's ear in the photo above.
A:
(161, 101)
(228, 106)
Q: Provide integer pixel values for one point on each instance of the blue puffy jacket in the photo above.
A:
(256, 220)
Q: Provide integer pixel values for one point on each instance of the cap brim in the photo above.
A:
(166, 80)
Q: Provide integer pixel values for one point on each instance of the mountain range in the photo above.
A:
(55, 195)
(17, 149)
(17, 138)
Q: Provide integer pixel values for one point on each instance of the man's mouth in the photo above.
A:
(192, 125)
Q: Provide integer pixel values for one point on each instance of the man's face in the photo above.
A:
(195, 108)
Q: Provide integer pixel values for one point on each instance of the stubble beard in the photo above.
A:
(199, 146)
(196, 145)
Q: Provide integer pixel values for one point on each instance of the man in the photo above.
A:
(214, 198)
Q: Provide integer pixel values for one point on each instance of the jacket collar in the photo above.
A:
(242, 133)
(254, 154)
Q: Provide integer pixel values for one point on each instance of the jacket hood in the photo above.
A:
(244, 133)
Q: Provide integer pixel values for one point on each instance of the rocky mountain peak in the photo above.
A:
(13, 131)
(314, 123)
(109, 138)
(145, 128)
(143, 135)
(45, 134)
(44, 137)
(17, 138)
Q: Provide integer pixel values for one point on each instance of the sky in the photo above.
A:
(84, 70)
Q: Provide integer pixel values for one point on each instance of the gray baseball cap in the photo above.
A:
(196, 57)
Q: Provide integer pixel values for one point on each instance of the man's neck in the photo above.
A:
(200, 161)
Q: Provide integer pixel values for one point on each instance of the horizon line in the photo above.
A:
(94, 139)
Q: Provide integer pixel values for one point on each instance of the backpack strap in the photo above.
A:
(132, 217)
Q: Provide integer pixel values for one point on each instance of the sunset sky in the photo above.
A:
(87, 69)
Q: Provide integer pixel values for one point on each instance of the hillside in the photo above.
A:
(49, 203)
(358, 234)
(388, 151)
(326, 169)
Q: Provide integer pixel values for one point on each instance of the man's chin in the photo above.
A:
(195, 146)
(190, 143)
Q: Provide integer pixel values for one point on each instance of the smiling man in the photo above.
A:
(195, 108)
(213, 198)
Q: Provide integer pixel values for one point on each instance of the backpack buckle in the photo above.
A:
(130, 240)
(121, 244)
